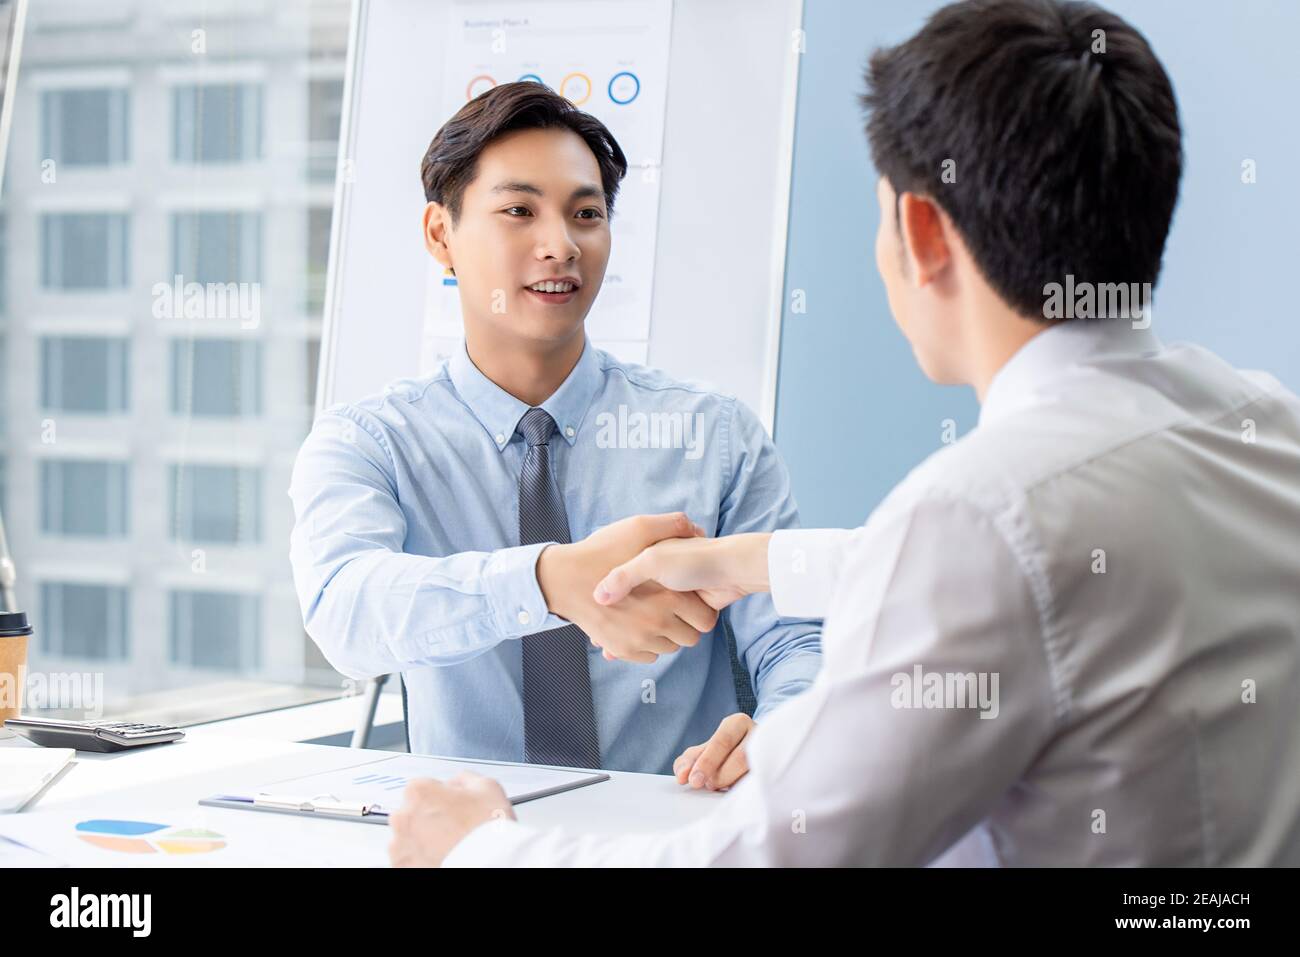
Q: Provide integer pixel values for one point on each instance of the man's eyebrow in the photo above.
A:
(517, 188)
(589, 191)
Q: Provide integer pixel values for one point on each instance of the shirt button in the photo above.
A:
(500, 438)
(568, 430)
(524, 618)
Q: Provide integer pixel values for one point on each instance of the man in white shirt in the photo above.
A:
(1072, 637)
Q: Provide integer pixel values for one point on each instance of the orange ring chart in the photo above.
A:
(576, 88)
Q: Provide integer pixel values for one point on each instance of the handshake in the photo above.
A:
(650, 584)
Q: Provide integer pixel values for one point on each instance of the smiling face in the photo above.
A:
(532, 240)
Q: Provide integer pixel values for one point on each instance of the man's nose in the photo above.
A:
(556, 243)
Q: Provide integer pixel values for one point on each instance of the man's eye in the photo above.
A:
(522, 211)
(594, 213)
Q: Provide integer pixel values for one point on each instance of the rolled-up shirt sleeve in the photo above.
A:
(372, 608)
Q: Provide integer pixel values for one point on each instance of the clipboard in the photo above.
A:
(522, 782)
(324, 806)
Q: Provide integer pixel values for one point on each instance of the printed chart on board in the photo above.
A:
(611, 60)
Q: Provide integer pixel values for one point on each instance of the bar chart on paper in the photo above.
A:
(383, 782)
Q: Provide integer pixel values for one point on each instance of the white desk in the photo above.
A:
(211, 760)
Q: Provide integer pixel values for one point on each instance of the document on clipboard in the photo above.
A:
(370, 791)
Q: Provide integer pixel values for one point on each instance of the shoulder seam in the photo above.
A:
(353, 414)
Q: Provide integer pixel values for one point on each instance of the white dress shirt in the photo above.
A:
(1070, 638)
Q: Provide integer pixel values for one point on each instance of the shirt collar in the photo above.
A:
(499, 412)
(1042, 359)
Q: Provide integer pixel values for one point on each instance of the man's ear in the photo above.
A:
(924, 235)
(437, 226)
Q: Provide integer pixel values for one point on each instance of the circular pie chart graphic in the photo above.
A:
(144, 837)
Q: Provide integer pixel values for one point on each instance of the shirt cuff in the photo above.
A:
(802, 568)
(510, 584)
(495, 844)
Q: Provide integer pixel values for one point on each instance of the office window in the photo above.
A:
(84, 621)
(84, 498)
(85, 127)
(324, 114)
(84, 374)
(160, 174)
(216, 377)
(217, 123)
(218, 247)
(220, 504)
(219, 630)
(313, 371)
(318, 258)
(4, 264)
(84, 251)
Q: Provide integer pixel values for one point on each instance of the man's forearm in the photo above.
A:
(744, 559)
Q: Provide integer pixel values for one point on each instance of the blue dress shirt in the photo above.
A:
(406, 558)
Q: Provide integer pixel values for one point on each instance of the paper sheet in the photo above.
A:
(382, 782)
(612, 61)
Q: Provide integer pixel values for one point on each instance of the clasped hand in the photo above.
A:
(646, 618)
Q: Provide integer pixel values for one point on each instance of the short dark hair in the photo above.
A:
(449, 164)
(1067, 159)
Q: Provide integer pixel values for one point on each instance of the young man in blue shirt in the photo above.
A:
(453, 528)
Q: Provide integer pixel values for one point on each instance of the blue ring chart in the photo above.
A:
(531, 77)
(625, 96)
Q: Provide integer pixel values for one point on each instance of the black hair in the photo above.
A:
(1046, 130)
(450, 163)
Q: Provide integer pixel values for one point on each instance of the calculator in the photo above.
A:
(92, 735)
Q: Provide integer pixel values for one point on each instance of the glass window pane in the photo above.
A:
(217, 247)
(83, 621)
(84, 250)
(85, 498)
(216, 503)
(85, 127)
(217, 123)
(83, 374)
(216, 377)
(217, 630)
(318, 255)
(324, 114)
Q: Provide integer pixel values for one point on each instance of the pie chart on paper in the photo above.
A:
(144, 837)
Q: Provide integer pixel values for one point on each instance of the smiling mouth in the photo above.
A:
(553, 285)
(553, 292)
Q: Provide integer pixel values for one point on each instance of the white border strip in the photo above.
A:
(348, 126)
(15, 43)
(781, 217)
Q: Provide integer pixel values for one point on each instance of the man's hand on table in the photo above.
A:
(435, 816)
(720, 762)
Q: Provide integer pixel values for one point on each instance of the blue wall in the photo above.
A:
(854, 413)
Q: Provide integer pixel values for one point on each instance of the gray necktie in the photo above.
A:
(559, 718)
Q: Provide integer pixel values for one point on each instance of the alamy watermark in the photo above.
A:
(81, 691)
(946, 689)
(651, 430)
(1105, 300)
(212, 300)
